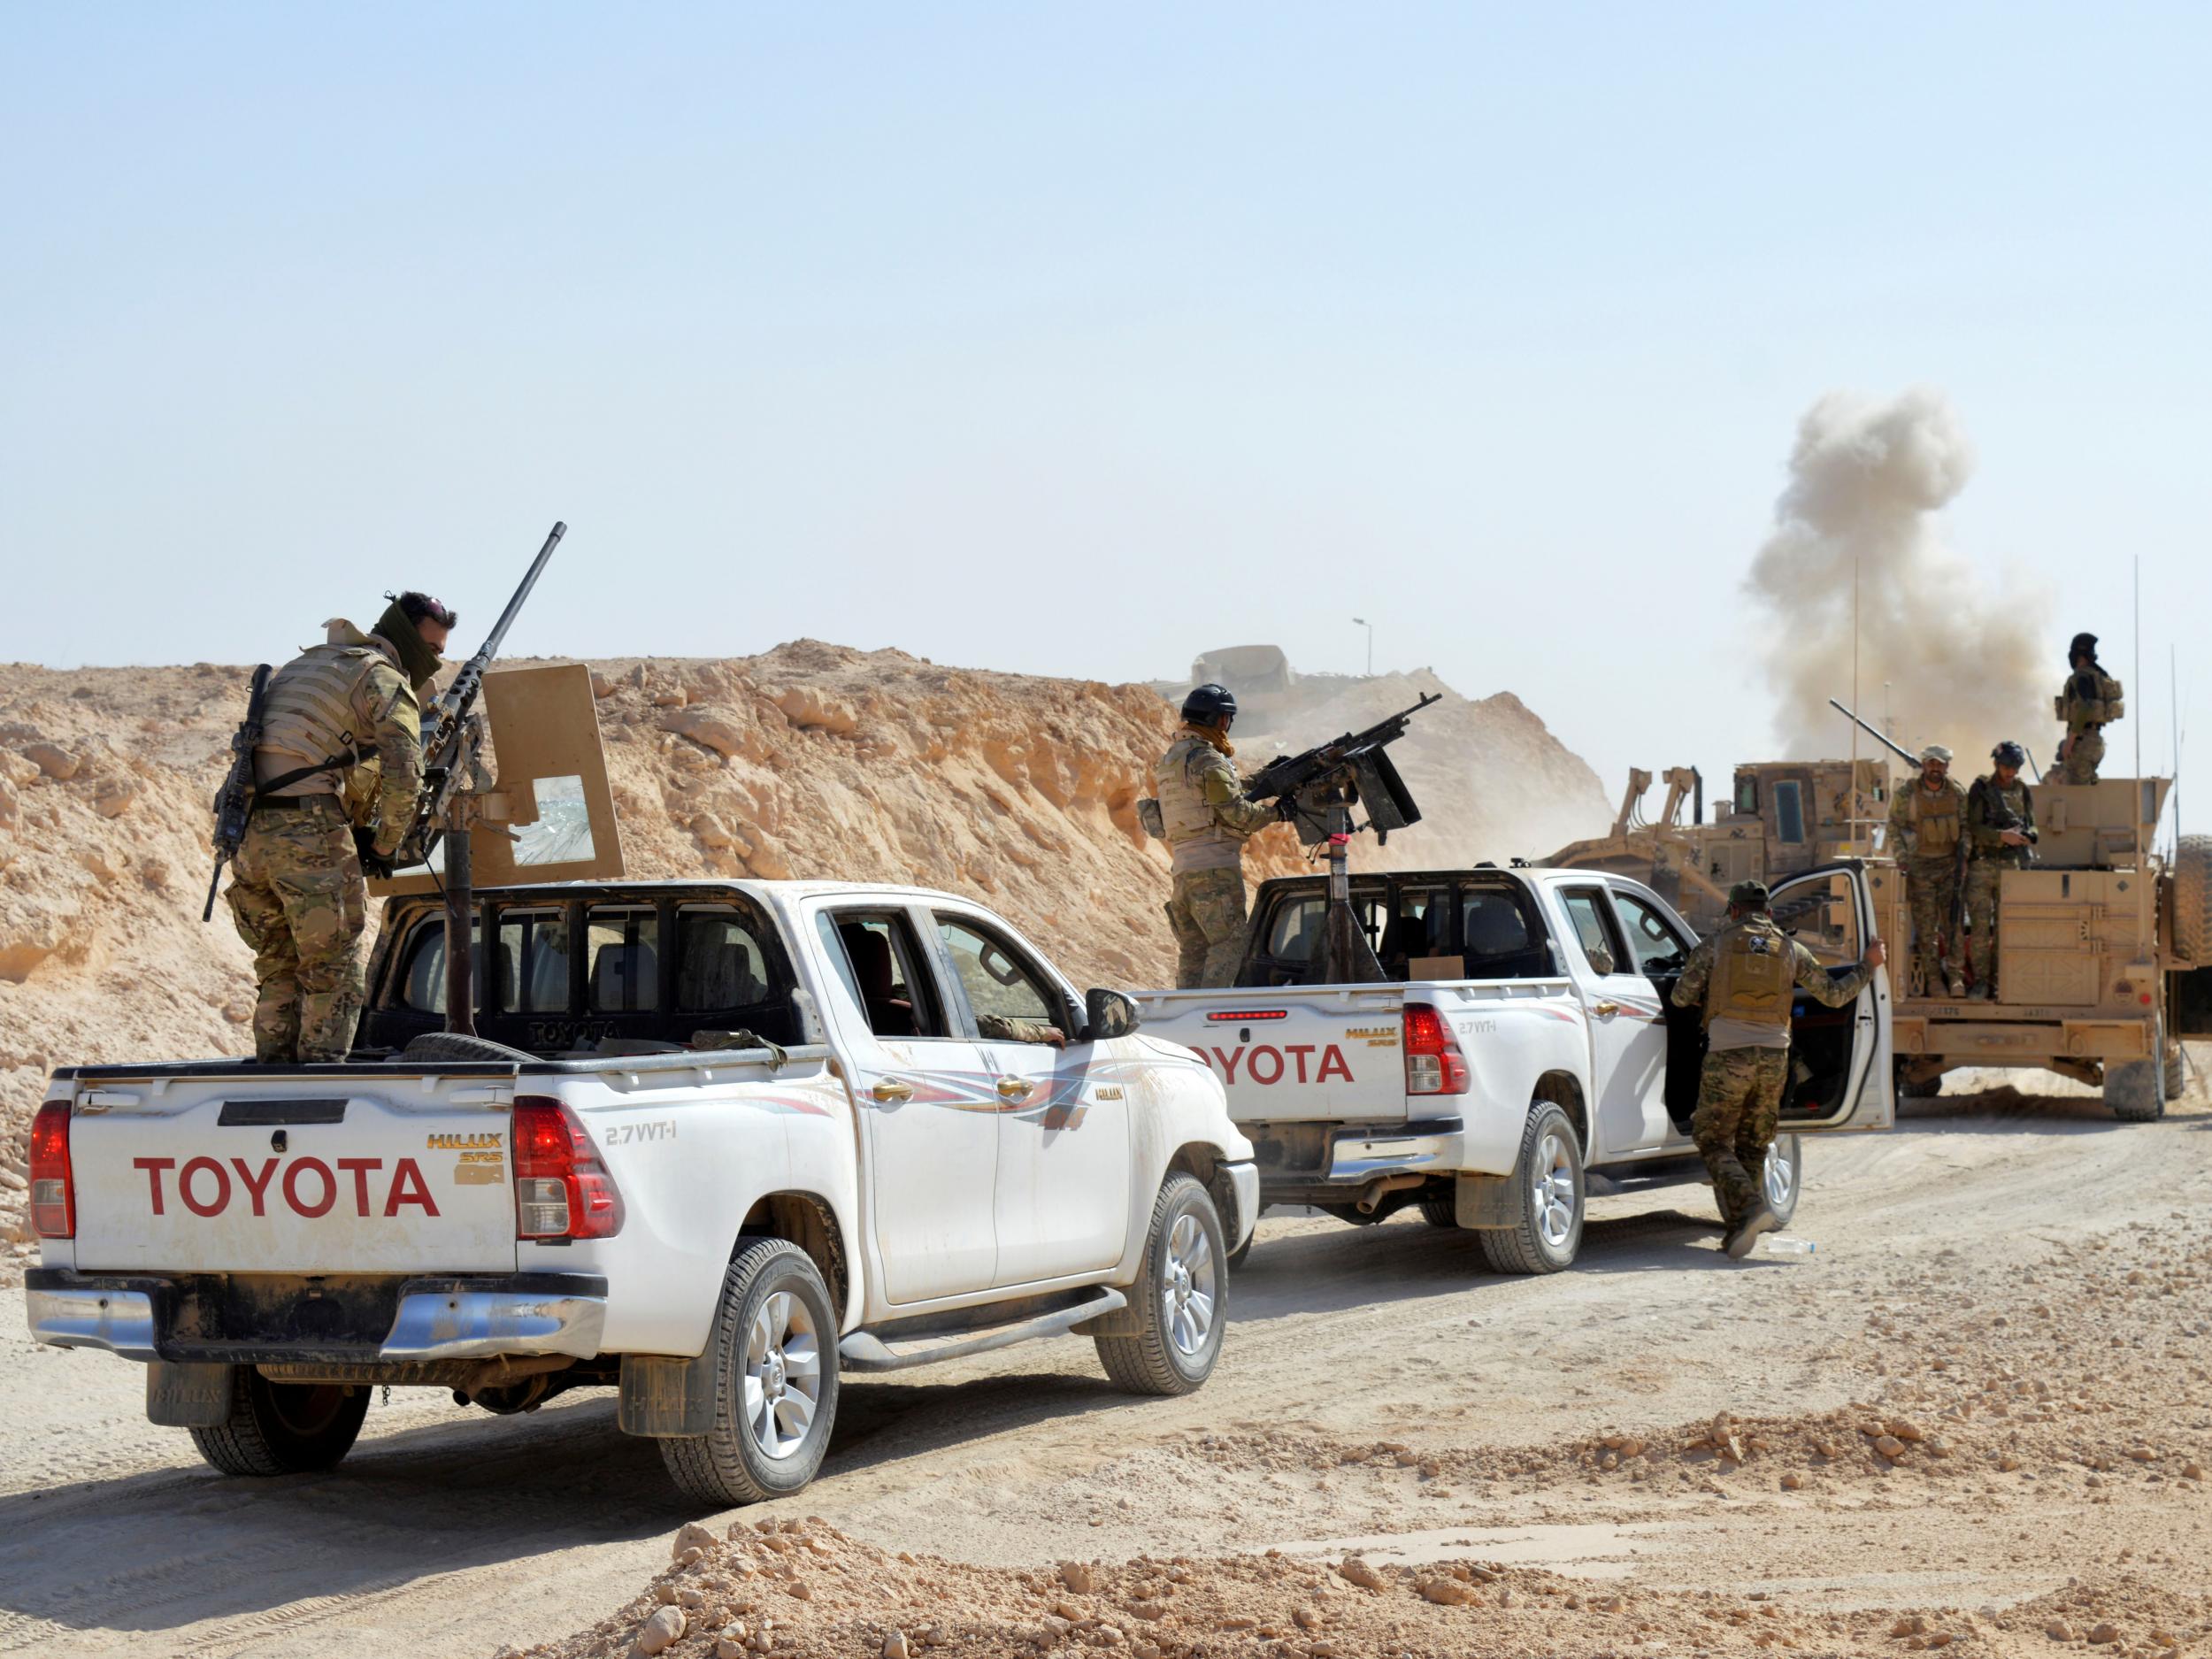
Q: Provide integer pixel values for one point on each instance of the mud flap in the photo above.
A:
(188, 1396)
(666, 1398)
(1485, 1201)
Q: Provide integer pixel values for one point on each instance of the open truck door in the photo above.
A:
(549, 816)
(1842, 1074)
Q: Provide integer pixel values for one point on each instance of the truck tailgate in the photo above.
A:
(361, 1172)
(1295, 1055)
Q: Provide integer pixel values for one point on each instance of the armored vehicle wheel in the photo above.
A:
(775, 1392)
(283, 1428)
(2176, 1075)
(2136, 1089)
(1180, 1300)
(1441, 1209)
(2193, 899)
(1549, 1195)
(1917, 1089)
(1784, 1177)
(446, 1045)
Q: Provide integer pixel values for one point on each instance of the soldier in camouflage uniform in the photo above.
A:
(337, 772)
(1206, 820)
(1744, 977)
(1926, 824)
(2088, 702)
(2001, 832)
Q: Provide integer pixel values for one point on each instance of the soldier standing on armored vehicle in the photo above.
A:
(1927, 822)
(2000, 831)
(2087, 702)
(1206, 820)
(1744, 978)
(337, 775)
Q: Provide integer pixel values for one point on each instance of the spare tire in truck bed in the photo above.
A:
(447, 1045)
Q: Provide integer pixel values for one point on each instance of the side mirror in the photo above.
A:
(1600, 962)
(1109, 1014)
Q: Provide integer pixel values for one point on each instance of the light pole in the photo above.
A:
(1364, 622)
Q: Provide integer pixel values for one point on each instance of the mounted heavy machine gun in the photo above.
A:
(1319, 789)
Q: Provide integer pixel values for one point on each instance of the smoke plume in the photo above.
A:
(1966, 665)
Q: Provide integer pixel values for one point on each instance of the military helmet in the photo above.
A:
(1209, 705)
(2084, 645)
(1936, 751)
(2009, 754)
(1750, 895)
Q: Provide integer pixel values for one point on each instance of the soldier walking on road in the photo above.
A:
(1206, 820)
(2087, 702)
(1927, 822)
(336, 774)
(2000, 830)
(1744, 977)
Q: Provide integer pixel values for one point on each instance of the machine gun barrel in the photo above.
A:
(1291, 773)
(1898, 750)
(446, 738)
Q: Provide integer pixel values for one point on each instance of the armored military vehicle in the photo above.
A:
(2105, 947)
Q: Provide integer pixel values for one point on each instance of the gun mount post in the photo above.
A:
(460, 905)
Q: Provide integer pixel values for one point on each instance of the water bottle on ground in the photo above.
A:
(1782, 1244)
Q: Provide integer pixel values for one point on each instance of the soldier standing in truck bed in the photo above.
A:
(1745, 977)
(1927, 820)
(2001, 832)
(341, 752)
(1206, 820)
(2087, 702)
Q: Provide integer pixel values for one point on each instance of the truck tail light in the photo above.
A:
(562, 1190)
(1434, 1065)
(53, 1191)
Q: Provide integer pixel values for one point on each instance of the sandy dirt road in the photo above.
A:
(2028, 1280)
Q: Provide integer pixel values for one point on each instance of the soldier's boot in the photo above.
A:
(1746, 1233)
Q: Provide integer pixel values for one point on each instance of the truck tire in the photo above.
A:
(1921, 1088)
(1784, 1177)
(2176, 1075)
(774, 1344)
(1180, 1299)
(433, 1046)
(1548, 1183)
(2193, 900)
(2135, 1089)
(283, 1428)
(1441, 1209)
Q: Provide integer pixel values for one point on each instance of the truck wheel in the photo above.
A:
(774, 1345)
(1547, 1182)
(2135, 1089)
(2193, 900)
(2176, 1075)
(1441, 1209)
(446, 1045)
(1784, 1177)
(1180, 1299)
(1917, 1089)
(283, 1428)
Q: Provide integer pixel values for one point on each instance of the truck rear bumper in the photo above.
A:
(1320, 1162)
(475, 1317)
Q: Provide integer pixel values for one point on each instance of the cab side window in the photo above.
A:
(997, 980)
(1591, 918)
(1654, 945)
(877, 957)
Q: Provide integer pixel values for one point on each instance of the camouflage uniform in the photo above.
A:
(1751, 967)
(1007, 1028)
(1991, 858)
(1207, 821)
(2088, 702)
(1925, 831)
(297, 893)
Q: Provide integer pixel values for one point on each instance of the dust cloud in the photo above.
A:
(1967, 665)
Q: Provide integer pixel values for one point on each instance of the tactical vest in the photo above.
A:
(1754, 972)
(1938, 821)
(1196, 838)
(2092, 698)
(310, 716)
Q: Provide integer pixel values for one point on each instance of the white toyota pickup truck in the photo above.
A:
(716, 1143)
(1520, 1052)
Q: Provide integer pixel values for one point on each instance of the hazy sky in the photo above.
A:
(1079, 339)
